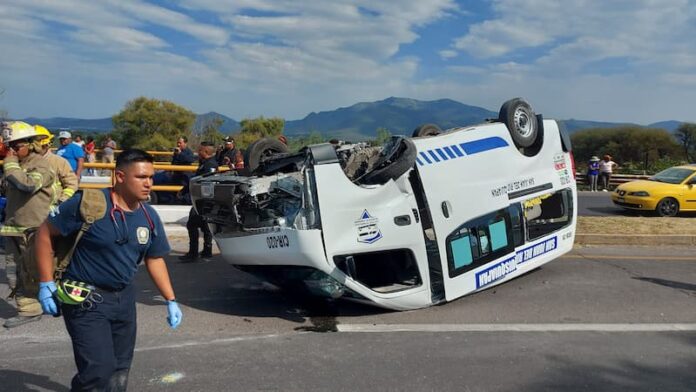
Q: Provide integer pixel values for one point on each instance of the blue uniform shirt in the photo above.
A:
(103, 257)
(71, 152)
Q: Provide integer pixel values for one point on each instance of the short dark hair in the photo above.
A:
(207, 144)
(184, 138)
(132, 155)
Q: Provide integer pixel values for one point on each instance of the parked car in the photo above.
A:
(667, 192)
(419, 221)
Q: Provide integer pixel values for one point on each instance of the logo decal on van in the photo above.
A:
(368, 231)
(454, 151)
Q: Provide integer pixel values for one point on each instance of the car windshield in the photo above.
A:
(673, 175)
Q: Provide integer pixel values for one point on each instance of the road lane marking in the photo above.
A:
(659, 327)
(624, 257)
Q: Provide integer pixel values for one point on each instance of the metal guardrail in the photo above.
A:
(158, 166)
(616, 179)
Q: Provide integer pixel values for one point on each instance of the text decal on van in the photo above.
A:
(454, 151)
(500, 270)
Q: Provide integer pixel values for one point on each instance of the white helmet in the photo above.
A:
(18, 130)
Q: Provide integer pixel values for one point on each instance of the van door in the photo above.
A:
(373, 234)
(476, 173)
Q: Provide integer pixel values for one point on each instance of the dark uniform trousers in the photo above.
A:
(194, 223)
(103, 340)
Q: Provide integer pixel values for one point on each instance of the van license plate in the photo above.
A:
(208, 190)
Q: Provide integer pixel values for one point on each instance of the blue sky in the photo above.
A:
(622, 60)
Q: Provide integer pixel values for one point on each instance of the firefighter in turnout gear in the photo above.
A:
(66, 182)
(28, 186)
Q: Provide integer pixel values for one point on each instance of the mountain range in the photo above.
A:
(359, 121)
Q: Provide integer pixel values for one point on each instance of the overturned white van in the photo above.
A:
(417, 222)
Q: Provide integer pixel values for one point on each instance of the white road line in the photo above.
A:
(659, 327)
(67, 353)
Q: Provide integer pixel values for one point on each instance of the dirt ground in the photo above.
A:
(636, 225)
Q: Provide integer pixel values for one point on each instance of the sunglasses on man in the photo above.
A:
(17, 146)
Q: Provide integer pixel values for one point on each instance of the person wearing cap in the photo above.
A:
(74, 154)
(66, 182)
(593, 173)
(28, 186)
(230, 156)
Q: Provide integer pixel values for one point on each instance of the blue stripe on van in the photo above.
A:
(432, 154)
(445, 153)
(427, 160)
(482, 145)
(457, 151)
(449, 152)
(442, 154)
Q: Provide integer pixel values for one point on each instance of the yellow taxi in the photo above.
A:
(666, 193)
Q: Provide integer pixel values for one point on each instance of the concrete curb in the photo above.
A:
(635, 239)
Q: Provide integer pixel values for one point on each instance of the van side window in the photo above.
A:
(548, 213)
(479, 241)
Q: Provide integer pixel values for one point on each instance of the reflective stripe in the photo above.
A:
(11, 165)
(55, 187)
(12, 230)
(38, 180)
(68, 192)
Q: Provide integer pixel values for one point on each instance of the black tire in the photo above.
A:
(520, 120)
(427, 130)
(259, 150)
(398, 155)
(667, 207)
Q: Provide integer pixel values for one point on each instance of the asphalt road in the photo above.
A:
(599, 204)
(598, 319)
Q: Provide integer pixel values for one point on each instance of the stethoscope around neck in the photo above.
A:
(122, 234)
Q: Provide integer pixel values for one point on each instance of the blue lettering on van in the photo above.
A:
(445, 153)
(500, 270)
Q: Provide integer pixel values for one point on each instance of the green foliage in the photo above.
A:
(253, 129)
(211, 132)
(151, 124)
(296, 143)
(686, 135)
(383, 135)
(631, 147)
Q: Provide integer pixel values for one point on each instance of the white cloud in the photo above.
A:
(447, 54)
(577, 58)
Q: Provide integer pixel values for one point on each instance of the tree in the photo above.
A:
(151, 124)
(383, 135)
(211, 131)
(686, 135)
(253, 129)
(631, 146)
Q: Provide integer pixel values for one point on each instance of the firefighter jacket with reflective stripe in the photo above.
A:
(65, 184)
(29, 190)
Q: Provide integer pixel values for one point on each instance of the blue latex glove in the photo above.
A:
(174, 317)
(48, 304)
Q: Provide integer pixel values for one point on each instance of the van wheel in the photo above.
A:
(520, 120)
(260, 150)
(427, 130)
(397, 156)
(667, 207)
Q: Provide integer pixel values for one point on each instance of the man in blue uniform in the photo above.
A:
(105, 261)
(206, 164)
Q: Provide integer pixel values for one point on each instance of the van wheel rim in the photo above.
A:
(522, 124)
